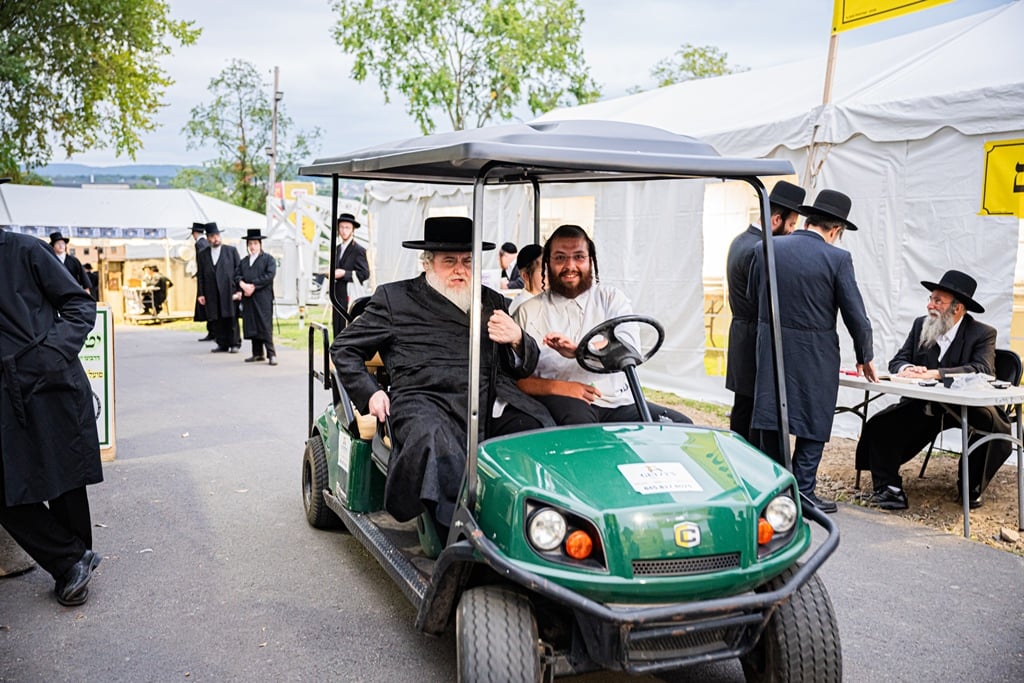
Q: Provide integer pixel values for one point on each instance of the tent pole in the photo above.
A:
(826, 99)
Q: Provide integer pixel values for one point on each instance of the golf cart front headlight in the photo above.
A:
(781, 514)
(546, 529)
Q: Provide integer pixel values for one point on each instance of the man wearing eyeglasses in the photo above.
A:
(574, 303)
(948, 340)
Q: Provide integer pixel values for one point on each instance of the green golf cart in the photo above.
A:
(639, 547)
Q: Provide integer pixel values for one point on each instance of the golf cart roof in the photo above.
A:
(552, 151)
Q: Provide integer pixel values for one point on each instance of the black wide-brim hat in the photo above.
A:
(446, 233)
(57, 237)
(788, 196)
(199, 227)
(253, 234)
(212, 229)
(348, 218)
(961, 285)
(831, 204)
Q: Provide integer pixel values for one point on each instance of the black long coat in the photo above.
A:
(816, 282)
(423, 340)
(353, 262)
(74, 267)
(48, 439)
(258, 309)
(217, 283)
(200, 313)
(741, 363)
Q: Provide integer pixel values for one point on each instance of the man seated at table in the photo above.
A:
(948, 340)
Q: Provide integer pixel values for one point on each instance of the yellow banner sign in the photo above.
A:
(849, 14)
(1003, 191)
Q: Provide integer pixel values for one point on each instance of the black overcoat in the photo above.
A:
(200, 313)
(258, 309)
(353, 262)
(48, 439)
(74, 267)
(741, 363)
(816, 282)
(423, 340)
(217, 283)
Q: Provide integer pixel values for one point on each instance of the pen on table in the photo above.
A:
(851, 373)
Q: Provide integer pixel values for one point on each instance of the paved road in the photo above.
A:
(210, 572)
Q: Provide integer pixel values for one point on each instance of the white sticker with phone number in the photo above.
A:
(659, 477)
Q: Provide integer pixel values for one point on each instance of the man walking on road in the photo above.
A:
(216, 291)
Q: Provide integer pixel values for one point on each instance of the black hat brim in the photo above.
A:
(443, 246)
(969, 303)
(807, 210)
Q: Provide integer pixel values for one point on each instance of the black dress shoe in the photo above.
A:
(273, 360)
(208, 337)
(72, 589)
(974, 502)
(219, 349)
(826, 506)
(254, 359)
(887, 499)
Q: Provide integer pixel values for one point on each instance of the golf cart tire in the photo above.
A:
(496, 637)
(800, 643)
(314, 481)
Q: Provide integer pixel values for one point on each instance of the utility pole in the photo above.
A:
(272, 150)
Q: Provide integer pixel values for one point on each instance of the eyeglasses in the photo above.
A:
(939, 301)
(561, 259)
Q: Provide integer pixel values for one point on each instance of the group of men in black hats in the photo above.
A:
(815, 284)
(229, 286)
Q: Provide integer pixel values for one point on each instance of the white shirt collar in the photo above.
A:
(944, 341)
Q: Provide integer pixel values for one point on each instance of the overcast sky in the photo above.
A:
(621, 42)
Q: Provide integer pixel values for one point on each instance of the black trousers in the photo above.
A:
(740, 416)
(573, 411)
(225, 332)
(259, 345)
(898, 433)
(54, 534)
(806, 457)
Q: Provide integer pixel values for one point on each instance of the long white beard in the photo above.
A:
(936, 326)
(462, 297)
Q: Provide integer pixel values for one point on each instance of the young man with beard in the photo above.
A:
(574, 303)
(947, 340)
(420, 327)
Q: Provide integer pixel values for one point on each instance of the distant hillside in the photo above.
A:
(127, 170)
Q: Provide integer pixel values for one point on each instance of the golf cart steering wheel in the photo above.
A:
(602, 351)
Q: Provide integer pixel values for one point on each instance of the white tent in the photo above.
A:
(904, 137)
(118, 214)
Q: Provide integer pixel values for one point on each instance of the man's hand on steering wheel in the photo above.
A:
(562, 344)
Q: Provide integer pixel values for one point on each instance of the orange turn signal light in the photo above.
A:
(579, 545)
(765, 532)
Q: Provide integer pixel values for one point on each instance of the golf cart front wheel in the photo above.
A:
(496, 637)
(800, 643)
(314, 481)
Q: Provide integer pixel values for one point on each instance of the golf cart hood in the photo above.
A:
(675, 506)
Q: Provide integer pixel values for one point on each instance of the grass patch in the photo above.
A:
(287, 331)
(673, 400)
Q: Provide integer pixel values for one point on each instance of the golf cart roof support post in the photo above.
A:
(333, 223)
(536, 209)
(475, 312)
(775, 324)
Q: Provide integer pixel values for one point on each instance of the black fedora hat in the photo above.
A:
(57, 237)
(959, 284)
(211, 229)
(348, 218)
(198, 227)
(446, 233)
(787, 195)
(831, 204)
(253, 234)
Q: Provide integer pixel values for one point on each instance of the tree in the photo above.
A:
(473, 60)
(237, 123)
(693, 62)
(81, 75)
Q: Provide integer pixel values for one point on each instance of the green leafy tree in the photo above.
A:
(693, 62)
(475, 61)
(81, 75)
(237, 124)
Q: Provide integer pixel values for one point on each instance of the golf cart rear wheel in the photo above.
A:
(800, 643)
(314, 481)
(496, 637)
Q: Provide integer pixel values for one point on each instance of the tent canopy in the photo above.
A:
(118, 214)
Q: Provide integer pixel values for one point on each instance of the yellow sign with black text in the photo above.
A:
(848, 14)
(1002, 193)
